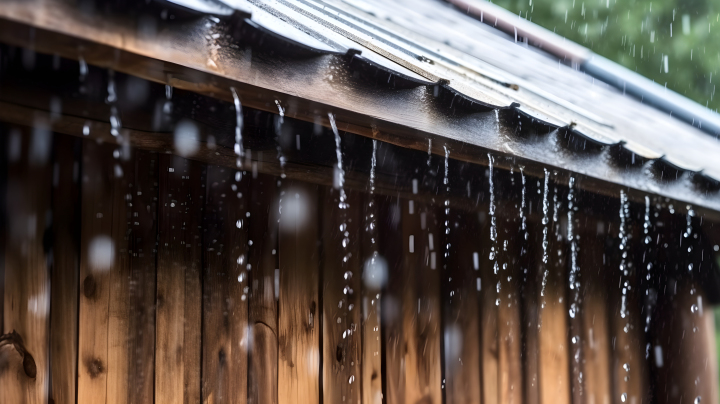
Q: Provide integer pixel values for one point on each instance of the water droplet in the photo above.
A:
(623, 397)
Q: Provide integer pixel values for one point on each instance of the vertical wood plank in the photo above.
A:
(531, 305)
(119, 331)
(628, 366)
(27, 279)
(393, 246)
(421, 303)
(460, 297)
(684, 347)
(510, 386)
(98, 251)
(299, 325)
(262, 255)
(65, 270)
(595, 332)
(341, 296)
(5, 144)
(488, 318)
(131, 327)
(225, 307)
(374, 278)
(554, 361)
(179, 288)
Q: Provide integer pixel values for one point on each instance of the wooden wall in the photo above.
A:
(137, 277)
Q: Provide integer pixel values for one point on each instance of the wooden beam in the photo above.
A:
(179, 287)
(207, 153)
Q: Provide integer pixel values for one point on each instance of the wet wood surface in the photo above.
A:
(179, 288)
(65, 270)
(594, 331)
(341, 296)
(554, 358)
(373, 281)
(489, 320)
(263, 316)
(413, 355)
(461, 293)
(299, 309)
(225, 335)
(131, 326)
(246, 302)
(510, 274)
(27, 276)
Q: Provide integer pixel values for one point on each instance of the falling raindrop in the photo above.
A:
(493, 224)
(429, 151)
(339, 173)
(239, 150)
(545, 222)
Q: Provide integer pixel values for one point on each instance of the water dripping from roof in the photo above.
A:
(239, 150)
(494, 252)
(545, 222)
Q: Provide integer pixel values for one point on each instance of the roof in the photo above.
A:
(417, 73)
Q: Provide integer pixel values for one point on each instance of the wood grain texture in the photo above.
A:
(98, 252)
(27, 279)
(554, 360)
(461, 321)
(299, 309)
(179, 287)
(119, 322)
(596, 348)
(262, 255)
(510, 375)
(65, 270)
(341, 295)
(4, 233)
(489, 321)
(131, 326)
(373, 283)
(531, 306)
(392, 245)
(627, 334)
(418, 351)
(225, 305)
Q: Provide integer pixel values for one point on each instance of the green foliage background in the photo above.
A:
(639, 33)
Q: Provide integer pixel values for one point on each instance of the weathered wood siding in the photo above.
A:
(138, 277)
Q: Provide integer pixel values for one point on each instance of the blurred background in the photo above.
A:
(672, 42)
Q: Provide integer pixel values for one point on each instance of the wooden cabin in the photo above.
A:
(340, 202)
